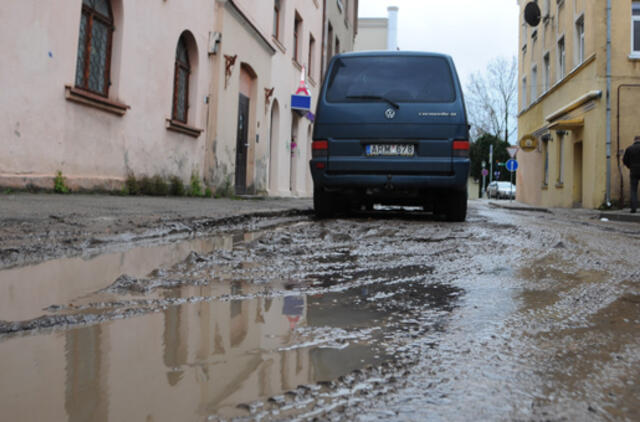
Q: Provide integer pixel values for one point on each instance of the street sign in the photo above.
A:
(485, 172)
(512, 165)
(512, 151)
(300, 102)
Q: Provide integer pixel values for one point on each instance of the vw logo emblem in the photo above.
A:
(390, 113)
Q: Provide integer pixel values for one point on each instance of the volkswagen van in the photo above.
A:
(391, 129)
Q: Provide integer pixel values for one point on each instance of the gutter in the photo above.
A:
(608, 187)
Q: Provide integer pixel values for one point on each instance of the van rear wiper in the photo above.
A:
(373, 97)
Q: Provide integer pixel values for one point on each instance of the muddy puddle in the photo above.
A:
(259, 324)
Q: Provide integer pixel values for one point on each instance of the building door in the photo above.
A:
(242, 144)
(577, 174)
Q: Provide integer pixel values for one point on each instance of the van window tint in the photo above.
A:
(400, 79)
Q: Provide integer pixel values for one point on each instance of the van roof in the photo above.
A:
(391, 53)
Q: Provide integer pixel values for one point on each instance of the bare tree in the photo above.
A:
(491, 99)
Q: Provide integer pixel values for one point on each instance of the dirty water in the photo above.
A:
(215, 327)
(377, 317)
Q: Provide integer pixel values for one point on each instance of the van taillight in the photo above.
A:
(460, 148)
(319, 149)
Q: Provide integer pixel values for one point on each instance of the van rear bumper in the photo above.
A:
(457, 180)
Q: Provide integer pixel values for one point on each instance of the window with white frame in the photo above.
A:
(580, 40)
(561, 59)
(523, 34)
(534, 83)
(297, 37)
(534, 38)
(547, 8)
(523, 94)
(635, 28)
(547, 72)
(277, 8)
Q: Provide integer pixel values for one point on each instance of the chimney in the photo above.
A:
(392, 29)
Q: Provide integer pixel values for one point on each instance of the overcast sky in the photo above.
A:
(471, 31)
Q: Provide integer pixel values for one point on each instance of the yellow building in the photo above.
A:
(564, 90)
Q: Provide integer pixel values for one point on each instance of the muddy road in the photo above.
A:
(390, 315)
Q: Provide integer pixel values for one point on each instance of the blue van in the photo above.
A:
(391, 128)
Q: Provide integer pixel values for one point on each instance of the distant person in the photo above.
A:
(631, 159)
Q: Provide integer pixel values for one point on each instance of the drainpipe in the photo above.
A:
(608, 188)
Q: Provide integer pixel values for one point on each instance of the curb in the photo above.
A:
(631, 218)
(516, 207)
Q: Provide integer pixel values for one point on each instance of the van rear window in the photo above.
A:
(397, 78)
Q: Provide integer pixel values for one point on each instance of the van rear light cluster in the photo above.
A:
(319, 149)
(461, 148)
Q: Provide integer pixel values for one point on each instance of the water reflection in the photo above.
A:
(183, 363)
(85, 375)
(26, 292)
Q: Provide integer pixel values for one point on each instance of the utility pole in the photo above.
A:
(490, 163)
(484, 178)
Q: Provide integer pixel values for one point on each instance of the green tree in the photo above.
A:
(479, 152)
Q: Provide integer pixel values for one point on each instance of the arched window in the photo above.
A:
(181, 82)
(94, 47)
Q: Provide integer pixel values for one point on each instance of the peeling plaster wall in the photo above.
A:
(42, 132)
(247, 32)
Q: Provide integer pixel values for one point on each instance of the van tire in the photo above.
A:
(457, 207)
(323, 206)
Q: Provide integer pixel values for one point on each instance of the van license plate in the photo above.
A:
(390, 149)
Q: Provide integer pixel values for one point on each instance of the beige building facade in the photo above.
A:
(378, 33)
(576, 145)
(372, 34)
(102, 89)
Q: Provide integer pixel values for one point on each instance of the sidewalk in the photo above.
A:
(621, 215)
(34, 227)
(39, 207)
(613, 215)
(516, 206)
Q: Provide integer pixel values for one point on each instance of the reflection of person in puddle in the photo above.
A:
(293, 307)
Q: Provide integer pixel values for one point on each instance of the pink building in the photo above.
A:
(99, 89)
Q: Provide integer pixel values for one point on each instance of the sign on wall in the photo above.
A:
(301, 100)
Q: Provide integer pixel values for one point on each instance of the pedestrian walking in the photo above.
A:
(631, 159)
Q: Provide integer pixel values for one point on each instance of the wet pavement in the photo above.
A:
(389, 315)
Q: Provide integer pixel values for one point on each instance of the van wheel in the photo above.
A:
(323, 206)
(457, 206)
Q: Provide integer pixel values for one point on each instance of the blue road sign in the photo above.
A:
(511, 165)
